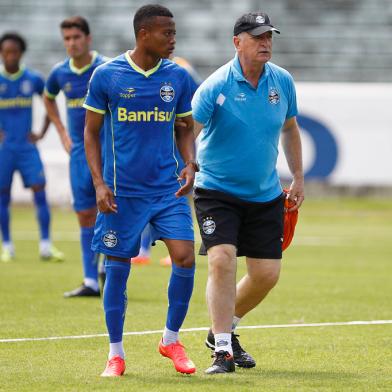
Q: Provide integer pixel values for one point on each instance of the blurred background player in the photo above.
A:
(144, 256)
(18, 151)
(72, 76)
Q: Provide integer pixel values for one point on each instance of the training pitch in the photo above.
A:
(337, 270)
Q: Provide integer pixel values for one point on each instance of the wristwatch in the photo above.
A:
(194, 163)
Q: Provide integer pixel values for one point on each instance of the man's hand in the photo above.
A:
(188, 175)
(105, 199)
(296, 194)
(34, 137)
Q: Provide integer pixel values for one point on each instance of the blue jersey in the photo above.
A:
(16, 96)
(140, 108)
(238, 148)
(73, 82)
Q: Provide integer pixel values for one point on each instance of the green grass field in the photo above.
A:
(338, 269)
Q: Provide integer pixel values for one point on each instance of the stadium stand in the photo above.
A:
(336, 40)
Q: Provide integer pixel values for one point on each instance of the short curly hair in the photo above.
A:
(13, 37)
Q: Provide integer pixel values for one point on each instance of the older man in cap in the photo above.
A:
(242, 110)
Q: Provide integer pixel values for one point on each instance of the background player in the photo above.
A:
(139, 94)
(72, 77)
(18, 151)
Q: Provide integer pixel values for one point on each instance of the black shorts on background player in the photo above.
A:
(256, 229)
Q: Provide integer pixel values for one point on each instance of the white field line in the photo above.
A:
(342, 323)
(73, 236)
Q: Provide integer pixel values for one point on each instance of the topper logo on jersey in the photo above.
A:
(273, 96)
(129, 93)
(209, 225)
(241, 97)
(167, 93)
(110, 239)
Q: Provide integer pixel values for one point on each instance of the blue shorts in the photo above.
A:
(119, 234)
(27, 162)
(83, 191)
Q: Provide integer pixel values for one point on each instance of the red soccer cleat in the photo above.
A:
(176, 352)
(115, 367)
(141, 260)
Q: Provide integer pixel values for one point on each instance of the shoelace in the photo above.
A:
(220, 357)
(179, 354)
(113, 362)
(236, 344)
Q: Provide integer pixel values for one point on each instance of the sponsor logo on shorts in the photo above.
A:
(110, 239)
(273, 96)
(167, 93)
(209, 225)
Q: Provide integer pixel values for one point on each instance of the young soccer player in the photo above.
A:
(18, 151)
(138, 95)
(72, 76)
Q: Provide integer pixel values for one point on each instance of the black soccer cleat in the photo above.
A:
(223, 363)
(82, 291)
(241, 357)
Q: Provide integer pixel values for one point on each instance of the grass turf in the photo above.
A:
(338, 269)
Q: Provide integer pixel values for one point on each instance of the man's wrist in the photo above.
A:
(298, 177)
(194, 164)
(97, 184)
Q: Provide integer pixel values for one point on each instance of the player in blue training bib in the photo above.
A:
(138, 96)
(72, 77)
(18, 151)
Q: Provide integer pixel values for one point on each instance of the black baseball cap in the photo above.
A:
(254, 23)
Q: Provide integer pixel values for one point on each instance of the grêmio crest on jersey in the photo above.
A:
(167, 92)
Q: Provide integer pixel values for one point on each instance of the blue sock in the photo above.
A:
(90, 261)
(5, 198)
(179, 293)
(43, 213)
(115, 297)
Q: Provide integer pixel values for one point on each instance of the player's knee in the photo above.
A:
(221, 260)
(185, 260)
(266, 278)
